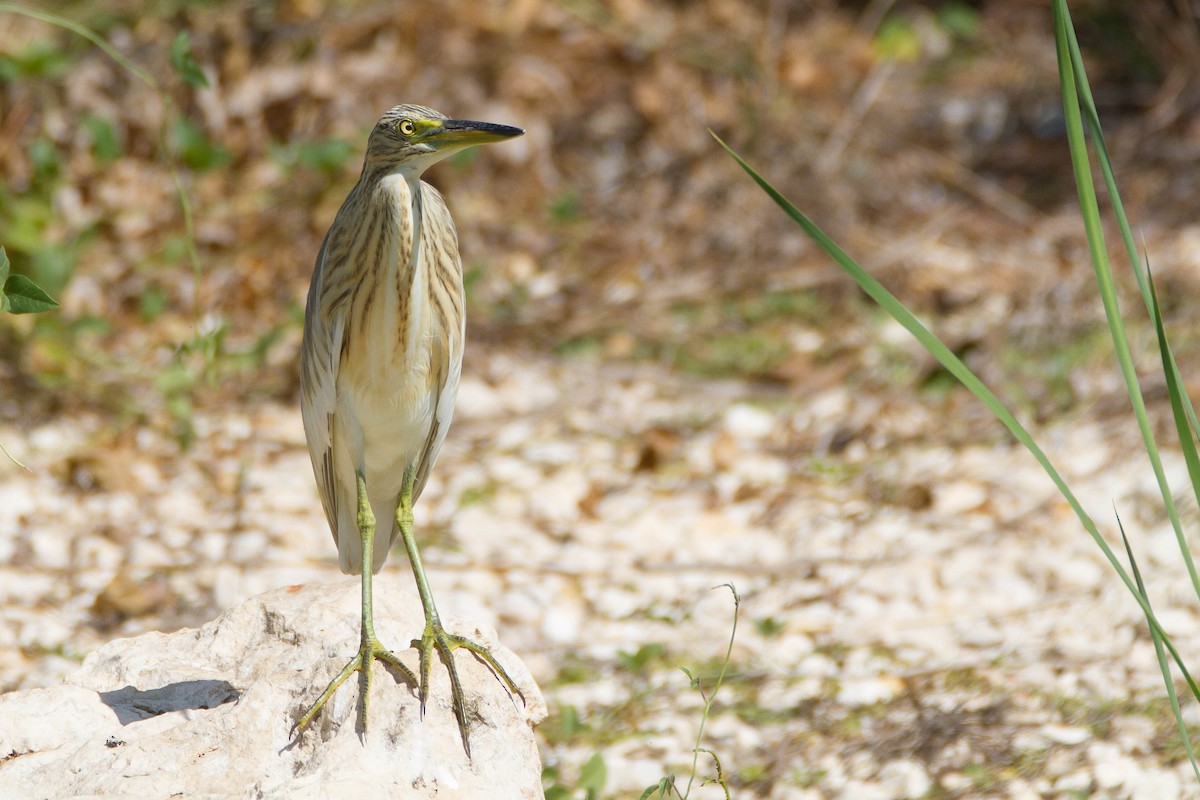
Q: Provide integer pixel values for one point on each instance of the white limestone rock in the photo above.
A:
(209, 712)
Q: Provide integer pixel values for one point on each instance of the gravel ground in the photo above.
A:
(921, 615)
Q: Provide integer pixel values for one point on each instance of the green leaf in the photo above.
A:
(593, 775)
(37, 60)
(106, 147)
(662, 787)
(45, 160)
(327, 156)
(23, 296)
(194, 148)
(646, 655)
(185, 64)
(897, 40)
(959, 19)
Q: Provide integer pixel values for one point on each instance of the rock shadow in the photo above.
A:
(133, 705)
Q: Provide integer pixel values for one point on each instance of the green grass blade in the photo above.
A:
(1163, 664)
(1096, 133)
(1070, 81)
(959, 370)
(1179, 402)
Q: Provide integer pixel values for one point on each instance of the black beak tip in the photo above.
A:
(499, 131)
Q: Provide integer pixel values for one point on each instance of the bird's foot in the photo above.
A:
(435, 637)
(371, 650)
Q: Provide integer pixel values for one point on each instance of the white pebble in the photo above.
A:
(749, 422)
(905, 779)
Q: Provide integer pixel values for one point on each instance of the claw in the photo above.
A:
(435, 637)
(370, 651)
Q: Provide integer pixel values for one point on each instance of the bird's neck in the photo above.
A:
(396, 194)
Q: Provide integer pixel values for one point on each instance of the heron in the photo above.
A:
(384, 330)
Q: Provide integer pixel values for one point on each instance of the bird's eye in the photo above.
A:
(406, 127)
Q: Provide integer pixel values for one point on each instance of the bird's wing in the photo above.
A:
(439, 242)
(320, 355)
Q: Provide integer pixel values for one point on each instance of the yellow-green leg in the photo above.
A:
(370, 649)
(435, 636)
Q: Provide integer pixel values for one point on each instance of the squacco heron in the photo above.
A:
(379, 371)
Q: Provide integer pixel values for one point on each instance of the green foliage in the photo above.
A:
(37, 60)
(191, 144)
(586, 346)
(565, 208)
(22, 296)
(897, 40)
(203, 362)
(555, 790)
(746, 353)
(26, 218)
(325, 156)
(463, 159)
(959, 19)
(745, 336)
(643, 659)
(475, 495)
(769, 627)
(18, 294)
(152, 302)
(472, 278)
(106, 145)
(593, 776)
(981, 775)
(666, 786)
(185, 63)
(563, 726)
(661, 789)
(1078, 105)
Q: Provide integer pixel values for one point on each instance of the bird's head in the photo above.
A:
(411, 138)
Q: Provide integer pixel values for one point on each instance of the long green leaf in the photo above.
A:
(1075, 92)
(964, 375)
(1077, 99)
(1193, 464)
(1180, 406)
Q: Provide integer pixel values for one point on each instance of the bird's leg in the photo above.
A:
(435, 636)
(370, 647)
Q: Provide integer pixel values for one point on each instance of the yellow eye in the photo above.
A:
(406, 127)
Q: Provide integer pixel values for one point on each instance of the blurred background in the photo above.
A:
(666, 386)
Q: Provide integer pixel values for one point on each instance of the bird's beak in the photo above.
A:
(458, 133)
